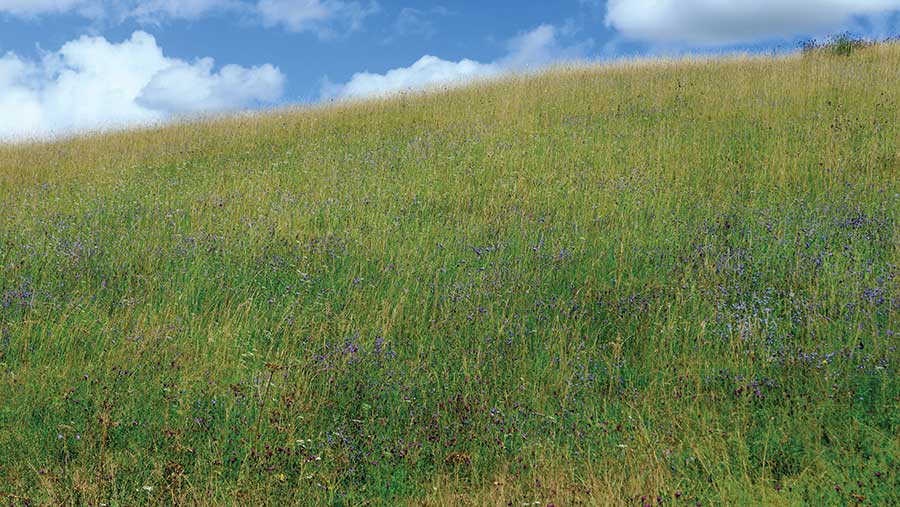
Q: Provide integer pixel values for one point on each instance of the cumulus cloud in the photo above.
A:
(185, 88)
(532, 49)
(91, 83)
(723, 22)
(428, 70)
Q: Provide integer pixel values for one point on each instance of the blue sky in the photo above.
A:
(73, 65)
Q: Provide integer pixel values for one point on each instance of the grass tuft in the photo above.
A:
(649, 283)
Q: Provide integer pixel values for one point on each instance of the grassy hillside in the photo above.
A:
(670, 283)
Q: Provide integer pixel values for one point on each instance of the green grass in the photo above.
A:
(673, 279)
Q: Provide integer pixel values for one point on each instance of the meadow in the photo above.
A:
(670, 282)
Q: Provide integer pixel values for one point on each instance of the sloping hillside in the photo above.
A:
(660, 283)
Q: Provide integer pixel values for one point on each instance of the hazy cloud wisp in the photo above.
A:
(322, 17)
(318, 16)
(724, 22)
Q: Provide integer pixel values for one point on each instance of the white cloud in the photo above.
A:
(427, 71)
(723, 22)
(186, 88)
(91, 83)
(533, 49)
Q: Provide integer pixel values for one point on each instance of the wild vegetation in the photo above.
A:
(648, 283)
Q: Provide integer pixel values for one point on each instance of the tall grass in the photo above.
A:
(660, 283)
